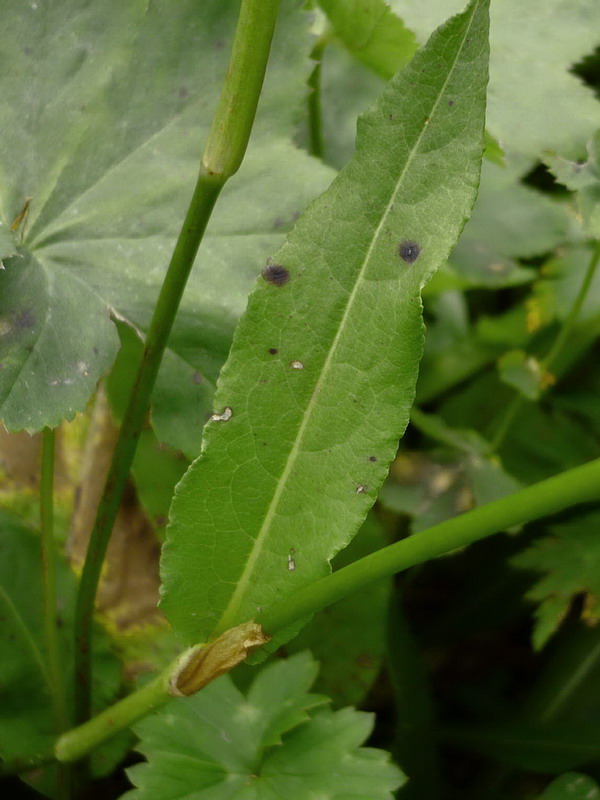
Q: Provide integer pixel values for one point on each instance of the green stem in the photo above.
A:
(234, 117)
(77, 743)
(556, 348)
(573, 314)
(223, 154)
(578, 485)
(53, 651)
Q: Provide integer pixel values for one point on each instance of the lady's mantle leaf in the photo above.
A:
(583, 178)
(104, 111)
(221, 744)
(323, 367)
(371, 32)
(536, 103)
(570, 559)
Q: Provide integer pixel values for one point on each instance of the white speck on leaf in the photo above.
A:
(291, 563)
(224, 417)
(296, 365)
(361, 489)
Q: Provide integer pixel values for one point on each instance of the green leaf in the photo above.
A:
(182, 397)
(434, 487)
(221, 744)
(524, 373)
(349, 637)
(509, 221)
(348, 88)
(109, 165)
(570, 561)
(26, 717)
(323, 367)
(536, 103)
(571, 786)
(372, 33)
(583, 178)
(8, 246)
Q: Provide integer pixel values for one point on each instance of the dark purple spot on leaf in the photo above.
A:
(409, 251)
(276, 274)
(372, 458)
(197, 377)
(450, 102)
(273, 351)
(277, 222)
(182, 93)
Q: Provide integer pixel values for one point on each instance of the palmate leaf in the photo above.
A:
(535, 102)
(323, 367)
(570, 561)
(267, 745)
(105, 108)
(584, 179)
(372, 33)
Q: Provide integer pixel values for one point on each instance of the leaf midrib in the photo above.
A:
(229, 615)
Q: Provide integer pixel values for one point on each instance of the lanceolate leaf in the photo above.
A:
(323, 367)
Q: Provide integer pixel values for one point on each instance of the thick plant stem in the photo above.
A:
(577, 485)
(80, 741)
(53, 649)
(557, 346)
(222, 157)
(233, 120)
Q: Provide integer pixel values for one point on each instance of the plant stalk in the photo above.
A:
(80, 741)
(53, 650)
(574, 486)
(578, 485)
(222, 157)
